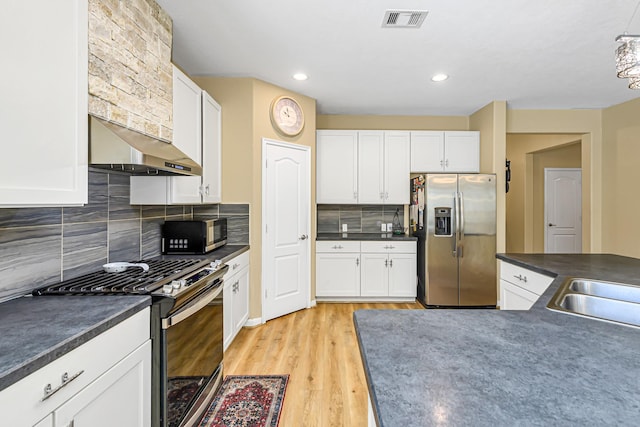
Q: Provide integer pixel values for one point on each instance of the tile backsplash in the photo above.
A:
(359, 218)
(39, 246)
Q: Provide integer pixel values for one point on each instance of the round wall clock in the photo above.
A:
(287, 115)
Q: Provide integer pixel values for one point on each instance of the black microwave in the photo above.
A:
(196, 236)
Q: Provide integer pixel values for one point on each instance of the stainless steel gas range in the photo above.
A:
(186, 329)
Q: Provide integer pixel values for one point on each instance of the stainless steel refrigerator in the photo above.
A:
(457, 244)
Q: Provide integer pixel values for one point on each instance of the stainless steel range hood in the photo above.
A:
(117, 148)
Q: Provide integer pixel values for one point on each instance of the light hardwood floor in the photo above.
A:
(318, 348)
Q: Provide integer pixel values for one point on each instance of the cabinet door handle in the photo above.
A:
(304, 237)
(381, 195)
(206, 190)
(390, 263)
(355, 195)
(386, 263)
(66, 379)
(552, 225)
(521, 278)
(446, 163)
(235, 265)
(357, 261)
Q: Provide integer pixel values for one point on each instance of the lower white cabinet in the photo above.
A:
(367, 270)
(108, 383)
(520, 288)
(337, 269)
(236, 297)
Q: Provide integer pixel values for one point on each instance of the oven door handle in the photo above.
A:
(192, 308)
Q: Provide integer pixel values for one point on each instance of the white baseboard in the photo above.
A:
(253, 322)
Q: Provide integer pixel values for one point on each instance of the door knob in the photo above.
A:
(304, 237)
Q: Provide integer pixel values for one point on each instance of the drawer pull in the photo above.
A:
(521, 278)
(66, 379)
(235, 265)
(337, 246)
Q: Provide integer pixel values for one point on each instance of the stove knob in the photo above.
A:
(167, 289)
(183, 282)
(215, 264)
(177, 284)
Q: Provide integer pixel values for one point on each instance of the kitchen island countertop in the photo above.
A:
(505, 368)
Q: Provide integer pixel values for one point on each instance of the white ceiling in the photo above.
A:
(542, 54)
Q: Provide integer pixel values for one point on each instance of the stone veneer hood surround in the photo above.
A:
(130, 71)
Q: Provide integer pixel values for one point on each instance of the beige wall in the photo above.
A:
(245, 121)
(587, 123)
(523, 200)
(621, 179)
(491, 122)
(373, 122)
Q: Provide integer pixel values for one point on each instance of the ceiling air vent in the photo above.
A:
(404, 18)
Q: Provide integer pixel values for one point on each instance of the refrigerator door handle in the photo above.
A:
(461, 204)
(456, 224)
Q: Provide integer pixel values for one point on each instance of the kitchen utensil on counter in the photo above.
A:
(118, 267)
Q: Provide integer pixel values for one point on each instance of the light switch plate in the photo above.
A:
(344, 228)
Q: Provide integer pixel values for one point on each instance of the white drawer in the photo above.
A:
(337, 246)
(524, 278)
(389, 247)
(92, 359)
(237, 263)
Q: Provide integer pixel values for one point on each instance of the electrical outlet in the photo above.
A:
(344, 228)
(383, 227)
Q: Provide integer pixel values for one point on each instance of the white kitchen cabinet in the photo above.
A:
(236, 297)
(44, 114)
(337, 166)
(362, 167)
(94, 406)
(366, 270)
(389, 269)
(374, 276)
(520, 288)
(112, 370)
(383, 167)
(337, 269)
(181, 190)
(445, 151)
(187, 116)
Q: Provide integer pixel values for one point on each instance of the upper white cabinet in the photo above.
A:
(187, 116)
(337, 166)
(168, 190)
(383, 167)
(43, 115)
(445, 151)
(365, 167)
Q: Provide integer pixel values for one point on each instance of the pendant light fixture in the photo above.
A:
(628, 56)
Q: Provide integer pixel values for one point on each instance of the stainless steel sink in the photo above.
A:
(618, 291)
(608, 301)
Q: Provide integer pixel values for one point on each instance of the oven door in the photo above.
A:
(192, 364)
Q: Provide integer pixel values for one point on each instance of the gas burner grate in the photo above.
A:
(131, 281)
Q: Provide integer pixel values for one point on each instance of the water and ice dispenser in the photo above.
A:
(443, 221)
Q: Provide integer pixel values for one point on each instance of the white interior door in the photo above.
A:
(286, 204)
(563, 210)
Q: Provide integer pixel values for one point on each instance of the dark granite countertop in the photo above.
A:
(37, 330)
(506, 368)
(224, 253)
(363, 236)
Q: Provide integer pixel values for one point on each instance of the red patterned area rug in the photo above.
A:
(247, 401)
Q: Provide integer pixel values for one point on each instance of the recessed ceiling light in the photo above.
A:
(439, 77)
(300, 76)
